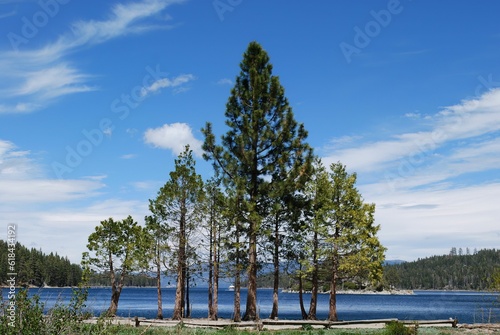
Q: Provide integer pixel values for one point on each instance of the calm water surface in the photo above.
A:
(467, 307)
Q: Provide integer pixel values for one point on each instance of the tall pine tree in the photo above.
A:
(264, 152)
(178, 207)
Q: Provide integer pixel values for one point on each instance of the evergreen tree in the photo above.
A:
(354, 248)
(263, 145)
(158, 235)
(450, 272)
(34, 267)
(320, 192)
(215, 203)
(119, 248)
(178, 206)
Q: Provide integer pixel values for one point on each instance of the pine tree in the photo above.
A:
(178, 206)
(119, 248)
(320, 192)
(215, 203)
(264, 144)
(158, 234)
(354, 248)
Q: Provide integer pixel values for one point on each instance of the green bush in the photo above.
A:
(397, 328)
(23, 314)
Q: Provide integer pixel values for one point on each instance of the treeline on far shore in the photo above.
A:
(456, 271)
(35, 268)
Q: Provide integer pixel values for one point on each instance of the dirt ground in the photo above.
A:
(434, 329)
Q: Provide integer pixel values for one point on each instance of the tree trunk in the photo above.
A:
(179, 296)
(181, 269)
(301, 295)
(215, 306)
(332, 313)
(113, 306)
(276, 261)
(215, 303)
(314, 292)
(159, 315)
(115, 297)
(251, 308)
(210, 275)
(116, 290)
(188, 302)
(237, 298)
(237, 280)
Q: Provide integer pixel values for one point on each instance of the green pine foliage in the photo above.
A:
(33, 267)
(448, 272)
(262, 158)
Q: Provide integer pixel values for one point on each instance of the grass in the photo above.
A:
(129, 330)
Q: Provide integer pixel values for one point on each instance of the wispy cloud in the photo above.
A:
(413, 178)
(175, 82)
(69, 224)
(468, 122)
(22, 181)
(174, 137)
(225, 81)
(52, 82)
(69, 209)
(32, 79)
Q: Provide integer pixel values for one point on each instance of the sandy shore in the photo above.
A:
(298, 324)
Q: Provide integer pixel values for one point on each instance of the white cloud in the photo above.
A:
(15, 164)
(468, 121)
(21, 107)
(65, 229)
(428, 222)
(21, 181)
(51, 214)
(46, 190)
(225, 81)
(167, 83)
(145, 185)
(128, 156)
(422, 207)
(52, 82)
(174, 137)
(32, 79)
(413, 115)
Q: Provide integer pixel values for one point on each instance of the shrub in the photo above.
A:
(398, 328)
(28, 316)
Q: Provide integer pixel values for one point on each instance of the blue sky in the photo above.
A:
(97, 98)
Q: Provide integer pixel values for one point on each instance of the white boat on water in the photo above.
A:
(231, 288)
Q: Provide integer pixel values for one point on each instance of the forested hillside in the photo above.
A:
(33, 267)
(450, 272)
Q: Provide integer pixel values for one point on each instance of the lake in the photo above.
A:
(467, 307)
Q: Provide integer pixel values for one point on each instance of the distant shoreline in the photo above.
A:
(285, 291)
(384, 292)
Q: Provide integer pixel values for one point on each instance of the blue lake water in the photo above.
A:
(467, 307)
